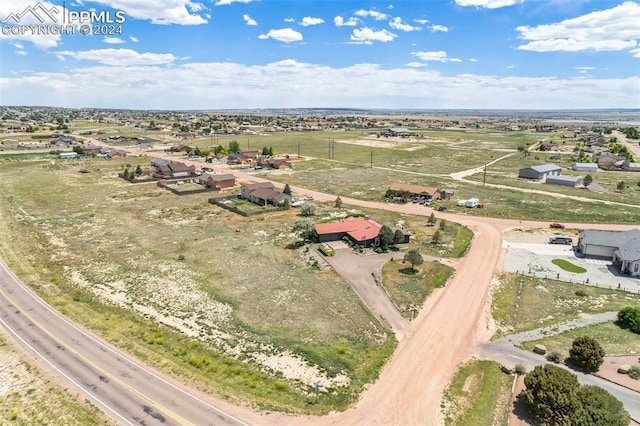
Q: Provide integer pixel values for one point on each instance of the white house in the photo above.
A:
(585, 167)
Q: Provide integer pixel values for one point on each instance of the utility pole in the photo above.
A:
(372, 159)
(484, 177)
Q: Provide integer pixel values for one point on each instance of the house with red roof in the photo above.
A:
(360, 230)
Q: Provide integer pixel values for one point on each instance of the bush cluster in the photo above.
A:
(629, 317)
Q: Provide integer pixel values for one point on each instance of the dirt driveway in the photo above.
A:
(357, 269)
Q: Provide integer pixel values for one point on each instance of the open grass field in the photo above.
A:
(524, 303)
(187, 286)
(409, 290)
(28, 397)
(614, 340)
(478, 395)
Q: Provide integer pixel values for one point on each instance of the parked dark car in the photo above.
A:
(556, 225)
(560, 240)
(442, 208)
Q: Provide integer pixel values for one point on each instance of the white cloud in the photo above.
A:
(249, 20)
(473, 60)
(133, 39)
(437, 56)
(606, 30)
(340, 22)
(18, 45)
(416, 64)
(120, 57)
(286, 35)
(231, 85)
(166, 12)
(421, 21)
(378, 16)
(489, 4)
(309, 21)
(289, 20)
(113, 40)
(635, 52)
(228, 2)
(21, 52)
(436, 28)
(397, 24)
(368, 36)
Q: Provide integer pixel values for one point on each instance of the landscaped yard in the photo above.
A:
(523, 303)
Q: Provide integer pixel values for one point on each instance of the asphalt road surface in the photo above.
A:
(126, 391)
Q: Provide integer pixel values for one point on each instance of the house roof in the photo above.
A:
(253, 186)
(414, 189)
(358, 228)
(571, 179)
(544, 168)
(269, 195)
(222, 177)
(180, 167)
(585, 165)
(630, 250)
(611, 238)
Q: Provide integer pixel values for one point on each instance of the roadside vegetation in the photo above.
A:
(522, 303)
(478, 395)
(409, 289)
(568, 266)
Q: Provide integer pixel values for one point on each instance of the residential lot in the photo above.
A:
(533, 255)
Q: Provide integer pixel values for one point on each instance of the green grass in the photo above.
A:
(568, 266)
(614, 340)
(409, 290)
(478, 395)
(525, 303)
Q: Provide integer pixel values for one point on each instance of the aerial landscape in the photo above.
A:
(307, 213)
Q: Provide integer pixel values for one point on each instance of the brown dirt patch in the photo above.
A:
(609, 370)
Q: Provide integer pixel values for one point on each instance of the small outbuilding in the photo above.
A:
(540, 173)
(69, 155)
(571, 181)
(585, 167)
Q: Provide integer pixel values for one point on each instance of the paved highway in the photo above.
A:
(125, 390)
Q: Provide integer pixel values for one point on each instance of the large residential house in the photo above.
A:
(623, 248)
(173, 169)
(263, 193)
(360, 230)
(406, 190)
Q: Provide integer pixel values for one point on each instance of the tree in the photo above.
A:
(305, 227)
(138, 170)
(588, 180)
(219, 150)
(205, 153)
(338, 203)
(197, 152)
(398, 237)
(598, 407)
(436, 237)
(443, 224)
(287, 189)
(550, 394)
(621, 185)
(286, 204)
(432, 219)
(265, 150)
(587, 354)
(414, 257)
(272, 151)
(385, 236)
(308, 209)
(234, 146)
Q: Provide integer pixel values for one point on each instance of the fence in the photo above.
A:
(560, 278)
(165, 184)
(220, 203)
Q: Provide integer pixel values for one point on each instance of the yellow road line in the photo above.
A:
(179, 419)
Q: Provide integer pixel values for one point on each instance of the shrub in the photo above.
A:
(555, 357)
(629, 317)
(520, 369)
(634, 372)
(581, 293)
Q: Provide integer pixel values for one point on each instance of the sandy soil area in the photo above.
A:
(609, 370)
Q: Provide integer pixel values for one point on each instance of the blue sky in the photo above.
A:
(229, 54)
